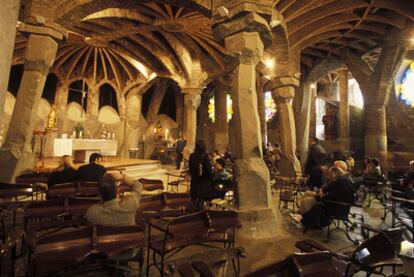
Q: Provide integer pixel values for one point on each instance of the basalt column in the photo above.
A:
(343, 109)
(307, 93)
(221, 129)
(132, 118)
(261, 105)
(283, 92)
(16, 154)
(192, 100)
(61, 101)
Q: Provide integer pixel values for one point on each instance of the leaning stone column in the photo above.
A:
(8, 18)
(192, 100)
(343, 109)
(253, 182)
(261, 104)
(16, 154)
(304, 119)
(283, 91)
(92, 96)
(376, 132)
(133, 106)
(61, 101)
(221, 128)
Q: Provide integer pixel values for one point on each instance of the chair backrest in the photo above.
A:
(88, 188)
(151, 203)
(112, 240)
(395, 235)
(152, 184)
(375, 249)
(315, 264)
(195, 224)
(177, 200)
(282, 268)
(45, 209)
(78, 206)
(63, 190)
(8, 190)
(221, 221)
(31, 178)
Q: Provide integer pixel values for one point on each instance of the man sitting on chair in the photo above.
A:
(93, 171)
(113, 210)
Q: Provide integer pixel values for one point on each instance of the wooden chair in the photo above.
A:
(374, 189)
(152, 184)
(69, 249)
(181, 179)
(8, 252)
(283, 268)
(63, 190)
(199, 228)
(87, 189)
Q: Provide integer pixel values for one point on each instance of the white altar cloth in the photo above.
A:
(86, 146)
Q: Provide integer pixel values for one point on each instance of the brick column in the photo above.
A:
(16, 154)
(8, 18)
(376, 132)
(221, 129)
(343, 109)
(283, 91)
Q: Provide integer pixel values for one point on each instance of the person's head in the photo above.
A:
(412, 164)
(200, 146)
(336, 171)
(216, 152)
(108, 187)
(367, 160)
(95, 158)
(66, 162)
(375, 162)
(220, 164)
(313, 140)
(342, 166)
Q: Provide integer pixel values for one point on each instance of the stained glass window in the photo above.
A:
(355, 94)
(406, 87)
(270, 106)
(211, 113)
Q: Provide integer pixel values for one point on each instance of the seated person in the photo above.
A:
(114, 210)
(371, 174)
(93, 171)
(220, 172)
(64, 173)
(408, 177)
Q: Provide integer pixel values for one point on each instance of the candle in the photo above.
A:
(155, 130)
(166, 134)
(143, 138)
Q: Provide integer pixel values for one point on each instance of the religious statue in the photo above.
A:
(51, 119)
(331, 122)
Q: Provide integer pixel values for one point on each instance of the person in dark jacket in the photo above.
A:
(317, 160)
(93, 171)
(64, 173)
(179, 148)
(201, 186)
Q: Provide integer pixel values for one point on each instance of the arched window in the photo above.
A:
(355, 94)
(78, 92)
(406, 87)
(107, 97)
(168, 105)
(49, 91)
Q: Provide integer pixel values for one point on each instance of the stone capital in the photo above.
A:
(284, 81)
(192, 100)
(250, 22)
(283, 94)
(248, 47)
(41, 30)
(40, 53)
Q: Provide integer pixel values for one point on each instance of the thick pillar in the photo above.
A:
(306, 94)
(283, 91)
(8, 18)
(192, 100)
(16, 154)
(376, 132)
(344, 109)
(253, 182)
(221, 129)
(261, 105)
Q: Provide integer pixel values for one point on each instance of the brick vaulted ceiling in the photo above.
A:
(107, 34)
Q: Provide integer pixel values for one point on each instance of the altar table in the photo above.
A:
(81, 149)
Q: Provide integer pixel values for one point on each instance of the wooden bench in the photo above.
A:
(67, 249)
(8, 252)
(80, 188)
(201, 228)
(152, 184)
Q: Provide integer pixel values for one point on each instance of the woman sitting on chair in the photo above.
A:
(64, 173)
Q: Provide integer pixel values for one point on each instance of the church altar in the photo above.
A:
(81, 149)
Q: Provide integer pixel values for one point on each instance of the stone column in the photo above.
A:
(61, 101)
(376, 132)
(253, 182)
(261, 105)
(304, 118)
(8, 18)
(343, 109)
(132, 132)
(221, 129)
(283, 91)
(92, 96)
(16, 154)
(192, 100)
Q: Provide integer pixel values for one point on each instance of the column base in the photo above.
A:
(289, 168)
(345, 143)
(257, 223)
(13, 162)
